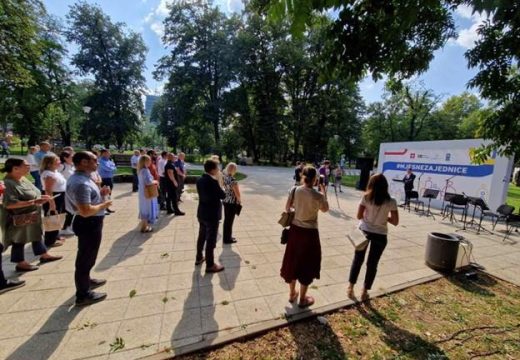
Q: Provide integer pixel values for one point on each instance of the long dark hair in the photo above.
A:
(377, 190)
(64, 155)
(10, 164)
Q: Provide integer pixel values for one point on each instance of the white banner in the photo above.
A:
(447, 166)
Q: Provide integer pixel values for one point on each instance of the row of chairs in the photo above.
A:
(461, 202)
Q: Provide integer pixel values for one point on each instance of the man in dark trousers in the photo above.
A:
(171, 184)
(86, 201)
(408, 185)
(209, 213)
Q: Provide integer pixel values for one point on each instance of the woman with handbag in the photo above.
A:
(54, 184)
(373, 210)
(302, 258)
(148, 193)
(21, 215)
(231, 202)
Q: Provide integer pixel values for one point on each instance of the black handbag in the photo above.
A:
(238, 209)
(285, 236)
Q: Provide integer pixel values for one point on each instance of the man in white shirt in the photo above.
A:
(161, 163)
(133, 163)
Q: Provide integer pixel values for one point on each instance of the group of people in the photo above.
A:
(80, 185)
(302, 257)
(159, 182)
(67, 185)
(327, 174)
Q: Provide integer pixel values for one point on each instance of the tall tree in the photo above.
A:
(497, 55)
(391, 37)
(115, 57)
(49, 77)
(18, 48)
(201, 38)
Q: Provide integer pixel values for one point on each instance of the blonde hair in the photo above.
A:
(215, 158)
(142, 161)
(231, 169)
(48, 161)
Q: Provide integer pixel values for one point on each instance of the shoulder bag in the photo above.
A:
(287, 217)
(151, 191)
(358, 238)
(26, 219)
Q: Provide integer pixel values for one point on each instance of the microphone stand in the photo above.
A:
(419, 182)
(444, 193)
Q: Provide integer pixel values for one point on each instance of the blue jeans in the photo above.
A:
(37, 179)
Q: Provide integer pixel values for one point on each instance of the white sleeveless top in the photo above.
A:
(60, 183)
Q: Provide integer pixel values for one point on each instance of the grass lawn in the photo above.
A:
(349, 180)
(451, 318)
(513, 197)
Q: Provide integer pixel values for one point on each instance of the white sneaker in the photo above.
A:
(67, 231)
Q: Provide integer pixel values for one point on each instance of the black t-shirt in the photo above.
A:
(170, 166)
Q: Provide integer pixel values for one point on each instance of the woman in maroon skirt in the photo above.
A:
(302, 258)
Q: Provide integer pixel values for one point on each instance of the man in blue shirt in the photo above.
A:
(107, 169)
(84, 199)
(45, 149)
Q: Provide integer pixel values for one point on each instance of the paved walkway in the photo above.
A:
(176, 304)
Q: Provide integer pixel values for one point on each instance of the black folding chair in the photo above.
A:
(456, 202)
(512, 223)
(502, 214)
(413, 198)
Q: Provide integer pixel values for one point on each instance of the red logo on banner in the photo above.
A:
(396, 152)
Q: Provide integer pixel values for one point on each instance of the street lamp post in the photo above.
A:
(86, 110)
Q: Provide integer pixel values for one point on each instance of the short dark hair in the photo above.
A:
(11, 163)
(64, 155)
(210, 165)
(103, 151)
(80, 156)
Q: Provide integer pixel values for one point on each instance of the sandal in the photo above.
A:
(293, 298)
(365, 296)
(309, 300)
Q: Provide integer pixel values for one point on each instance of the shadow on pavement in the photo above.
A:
(45, 342)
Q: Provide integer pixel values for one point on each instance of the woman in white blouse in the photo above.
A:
(67, 166)
(54, 184)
